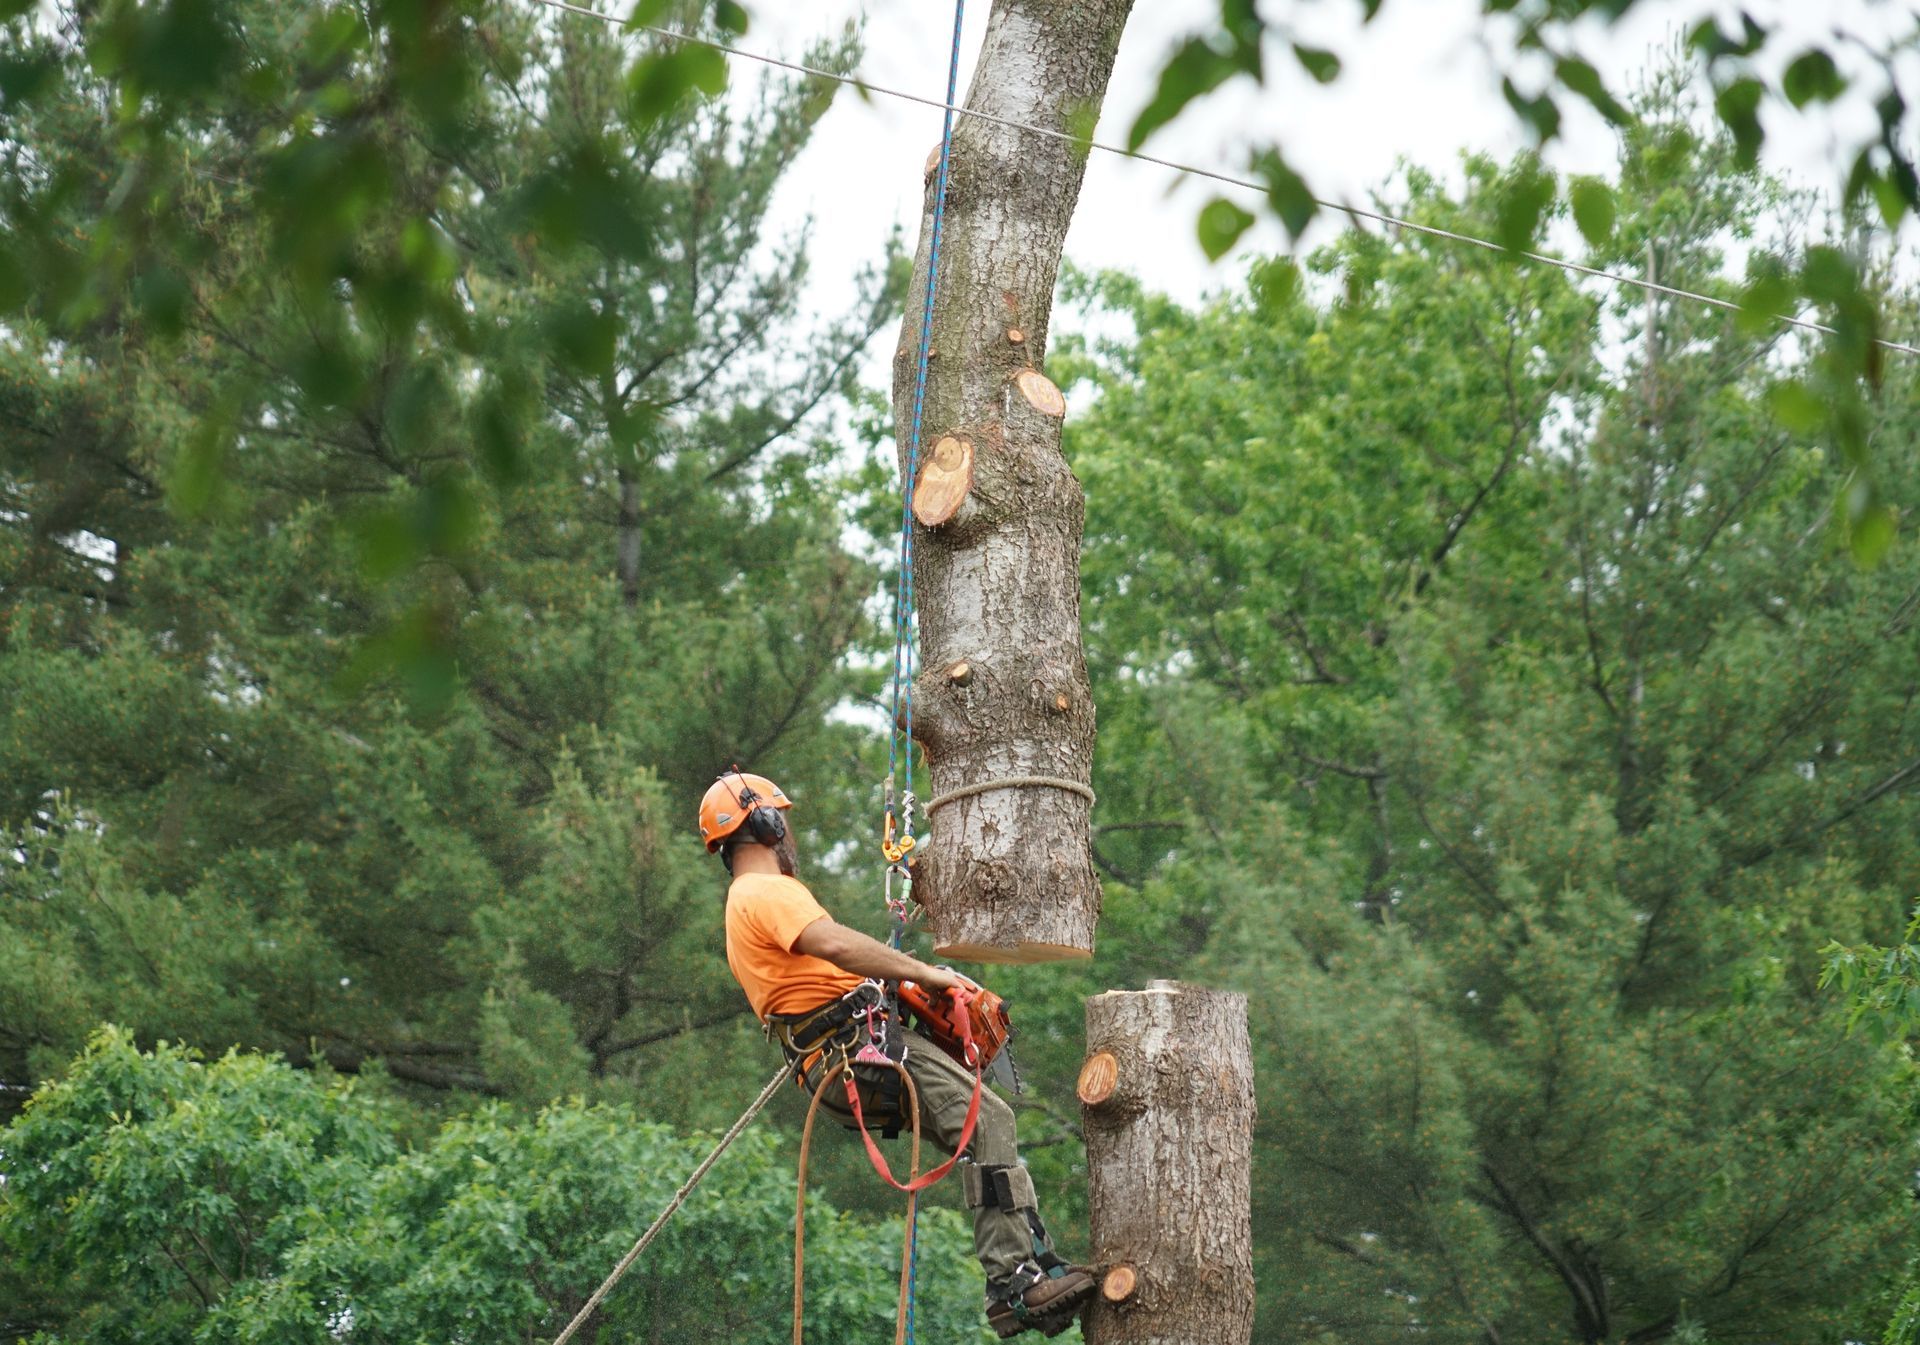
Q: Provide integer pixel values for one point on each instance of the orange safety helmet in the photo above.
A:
(731, 799)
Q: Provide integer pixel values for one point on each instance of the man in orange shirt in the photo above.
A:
(812, 982)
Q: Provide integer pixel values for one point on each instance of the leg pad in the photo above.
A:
(1007, 1187)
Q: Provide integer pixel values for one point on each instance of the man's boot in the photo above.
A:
(1039, 1299)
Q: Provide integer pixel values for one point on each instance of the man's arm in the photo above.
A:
(850, 950)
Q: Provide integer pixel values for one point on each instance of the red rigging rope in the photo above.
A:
(1352, 211)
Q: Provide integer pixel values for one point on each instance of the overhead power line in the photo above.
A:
(1229, 179)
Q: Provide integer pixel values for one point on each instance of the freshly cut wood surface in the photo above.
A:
(1097, 1078)
(1040, 393)
(945, 479)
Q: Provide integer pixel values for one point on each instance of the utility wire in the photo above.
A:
(1355, 212)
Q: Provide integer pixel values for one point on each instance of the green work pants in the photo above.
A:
(1002, 1239)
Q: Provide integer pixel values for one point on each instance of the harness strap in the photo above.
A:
(914, 1184)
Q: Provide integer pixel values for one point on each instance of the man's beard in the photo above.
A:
(785, 854)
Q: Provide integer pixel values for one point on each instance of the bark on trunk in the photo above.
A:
(1006, 875)
(1167, 1104)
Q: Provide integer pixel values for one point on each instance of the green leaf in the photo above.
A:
(1542, 114)
(14, 286)
(1893, 201)
(1872, 532)
(1708, 39)
(162, 296)
(730, 18)
(1194, 69)
(584, 338)
(1795, 407)
(175, 50)
(1812, 77)
(1287, 192)
(25, 78)
(1524, 201)
(1221, 224)
(1830, 276)
(195, 480)
(1583, 79)
(660, 82)
(1277, 284)
(388, 545)
(1324, 66)
(1594, 209)
(1767, 299)
(1738, 105)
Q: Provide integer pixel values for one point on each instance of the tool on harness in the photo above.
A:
(1034, 1298)
(1043, 1293)
(989, 1025)
(1008, 1187)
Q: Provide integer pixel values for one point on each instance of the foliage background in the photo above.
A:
(417, 478)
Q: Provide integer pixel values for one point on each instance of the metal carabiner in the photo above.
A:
(894, 852)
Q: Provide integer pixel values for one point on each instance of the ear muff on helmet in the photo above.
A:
(766, 826)
(740, 807)
(762, 824)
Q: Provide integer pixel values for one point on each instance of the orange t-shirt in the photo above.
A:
(765, 914)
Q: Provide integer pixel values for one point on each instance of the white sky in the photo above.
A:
(1420, 84)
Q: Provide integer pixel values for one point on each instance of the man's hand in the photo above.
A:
(938, 979)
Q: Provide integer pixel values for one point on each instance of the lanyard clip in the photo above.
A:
(894, 851)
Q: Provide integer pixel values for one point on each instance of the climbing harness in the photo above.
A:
(679, 1198)
(835, 1045)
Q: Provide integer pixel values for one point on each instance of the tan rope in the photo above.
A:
(1013, 782)
(679, 1197)
(800, 1205)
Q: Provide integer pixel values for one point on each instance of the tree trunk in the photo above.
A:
(1006, 875)
(626, 556)
(1167, 1103)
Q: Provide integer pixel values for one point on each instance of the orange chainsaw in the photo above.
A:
(987, 1021)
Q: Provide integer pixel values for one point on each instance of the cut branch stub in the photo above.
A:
(1097, 1078)
(933, 164)
(944, 481)
(1040, 393)
(1015, 336)
(1119, 1284)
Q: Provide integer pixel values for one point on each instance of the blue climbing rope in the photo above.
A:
(900, 737)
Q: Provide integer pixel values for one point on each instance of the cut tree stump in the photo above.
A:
(1166, 1102)
(1006, 875)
